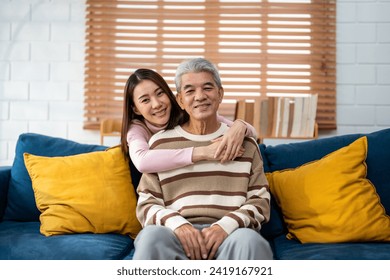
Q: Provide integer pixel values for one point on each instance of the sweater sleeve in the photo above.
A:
(151, 161)
(250, 130)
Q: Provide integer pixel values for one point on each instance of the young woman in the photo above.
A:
(150, 106)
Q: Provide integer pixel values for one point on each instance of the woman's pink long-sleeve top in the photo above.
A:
(151, 161)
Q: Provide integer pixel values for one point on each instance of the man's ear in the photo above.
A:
(221, 94)
(179, 100)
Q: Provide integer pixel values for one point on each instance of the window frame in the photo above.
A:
(123, 35)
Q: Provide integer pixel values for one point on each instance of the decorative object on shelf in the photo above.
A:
(281, 116)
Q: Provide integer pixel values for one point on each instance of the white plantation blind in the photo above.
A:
(261, 48)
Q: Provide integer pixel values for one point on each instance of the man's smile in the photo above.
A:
(202, 106)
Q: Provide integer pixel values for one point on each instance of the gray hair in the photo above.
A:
(196, 65)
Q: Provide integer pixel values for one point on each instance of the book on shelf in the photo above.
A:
(293, 117)
(270, 116)
(285, 112)
(311, 120)
(263, 127)
(276, 117)
(281, 116)
(297, 117)
(290, 117)
(245, 111)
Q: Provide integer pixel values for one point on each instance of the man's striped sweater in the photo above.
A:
(234, 194)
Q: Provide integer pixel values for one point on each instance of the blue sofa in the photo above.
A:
(20, 236)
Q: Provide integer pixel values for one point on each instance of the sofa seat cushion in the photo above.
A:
(23, 241)
(21, 202)
(285, 249)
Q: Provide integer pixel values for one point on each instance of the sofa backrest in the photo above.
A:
(20, 199)
(5, 174)
(21, 204)
(293, 155)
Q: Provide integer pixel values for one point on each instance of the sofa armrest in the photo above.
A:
(5, 174)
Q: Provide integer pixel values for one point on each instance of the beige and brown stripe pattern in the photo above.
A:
(234, 194)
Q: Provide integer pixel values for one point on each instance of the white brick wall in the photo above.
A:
(41, 71)
(363, 65)
(42, 59)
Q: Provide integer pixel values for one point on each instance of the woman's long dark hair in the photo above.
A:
(177, 116)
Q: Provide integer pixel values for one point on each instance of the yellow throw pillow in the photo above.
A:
(330, 200)
(89, 192)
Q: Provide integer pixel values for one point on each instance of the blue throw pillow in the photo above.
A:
(378, 168)
(262, 148)
(20, 201)
(276, 225)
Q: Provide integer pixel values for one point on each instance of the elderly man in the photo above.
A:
(209, 210)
